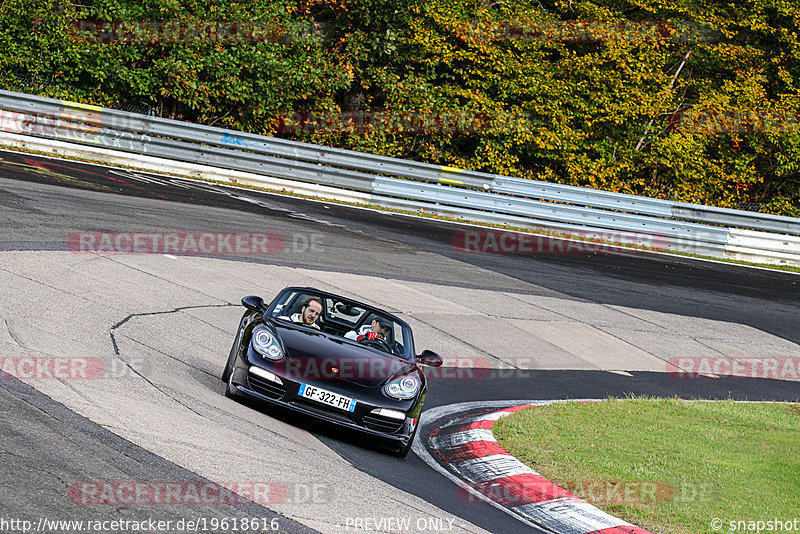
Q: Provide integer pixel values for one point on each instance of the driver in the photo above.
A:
(380, 328)
(308, 314)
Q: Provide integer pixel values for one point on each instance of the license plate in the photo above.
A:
(327, 397)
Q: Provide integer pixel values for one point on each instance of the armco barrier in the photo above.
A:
(409, 185)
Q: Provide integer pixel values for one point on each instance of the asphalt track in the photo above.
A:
(44, 445)
(765, 300)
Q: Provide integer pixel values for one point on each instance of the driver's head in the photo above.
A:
(311, 309)
(381, 326)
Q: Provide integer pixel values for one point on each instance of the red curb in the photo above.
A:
(483, 424)
(521, 490)
(475, 449)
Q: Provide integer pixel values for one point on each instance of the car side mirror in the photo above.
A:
(254, 303)
(430, 358)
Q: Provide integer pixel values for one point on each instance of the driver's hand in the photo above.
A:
(369, 335)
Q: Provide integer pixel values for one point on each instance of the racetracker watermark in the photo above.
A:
(216, 32)
(361, 368)
(193, 243)
(88, 122)
(733, 122)
(703, 367)
(586, 31)
(176, 493)
(74, 367)
(506, 242)
(537, 489)
(386, 122)
(76, 121)
(51, 368)
(150, 525)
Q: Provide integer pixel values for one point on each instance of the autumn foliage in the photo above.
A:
(689, 100)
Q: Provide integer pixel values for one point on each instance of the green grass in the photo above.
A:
(726, 460)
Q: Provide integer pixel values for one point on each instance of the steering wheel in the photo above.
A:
(377, 343)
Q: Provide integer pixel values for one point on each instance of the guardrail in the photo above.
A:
(409, 185)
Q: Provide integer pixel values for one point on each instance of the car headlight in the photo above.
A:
(266, 344)
(405, 387)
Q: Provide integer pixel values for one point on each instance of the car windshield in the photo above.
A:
(346, 319)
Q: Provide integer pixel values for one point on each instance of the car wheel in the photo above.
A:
(226, 373)
(229, 388)
(403, 450)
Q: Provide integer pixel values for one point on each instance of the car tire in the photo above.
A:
(229, 388)
(403, 450)
(226, 372)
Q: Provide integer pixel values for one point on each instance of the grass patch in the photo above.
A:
(726, 460)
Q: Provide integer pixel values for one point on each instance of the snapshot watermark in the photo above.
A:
(215, 32)
(399, 524)
(585, 31)
(386, 122)
(712, 367)
(507, 242)
(729, 122)
(760, 525)
(193, 243)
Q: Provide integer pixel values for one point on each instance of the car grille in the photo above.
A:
(323, 410)
(265, 387)
(382, 424)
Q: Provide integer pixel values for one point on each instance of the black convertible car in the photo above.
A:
(331, 358)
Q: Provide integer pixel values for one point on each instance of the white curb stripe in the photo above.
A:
(450, 441)
(422, 451)
(563, 515)
(492, 467)
(570, 516)
(494, 416)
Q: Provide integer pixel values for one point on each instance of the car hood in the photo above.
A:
(312, 356)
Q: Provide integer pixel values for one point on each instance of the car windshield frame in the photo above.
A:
(275, 311)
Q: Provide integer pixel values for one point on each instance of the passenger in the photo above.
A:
(380, 327)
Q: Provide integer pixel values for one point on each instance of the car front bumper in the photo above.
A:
(286, 395)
